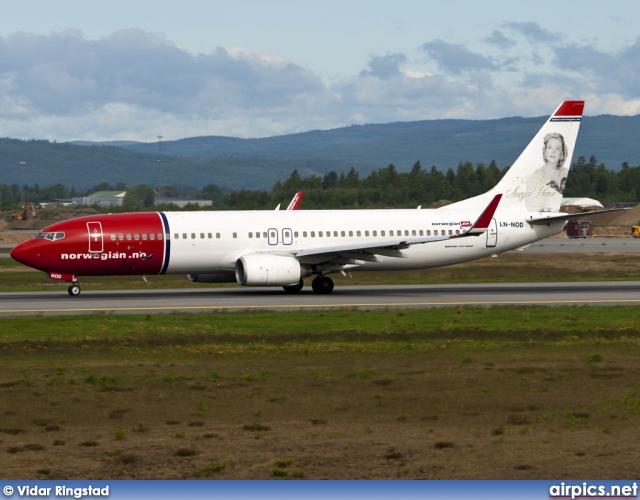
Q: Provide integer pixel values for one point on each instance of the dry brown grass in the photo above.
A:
(503, 411)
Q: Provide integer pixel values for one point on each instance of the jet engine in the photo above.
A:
(269, 270)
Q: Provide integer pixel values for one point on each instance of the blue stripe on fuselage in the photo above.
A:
(167, 242)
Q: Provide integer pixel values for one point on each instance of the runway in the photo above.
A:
(584, 245)
(351, 297)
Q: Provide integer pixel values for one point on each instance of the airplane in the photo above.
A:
(295, 202)
(283, 247)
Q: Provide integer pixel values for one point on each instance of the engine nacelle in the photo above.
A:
(259, 269)
(221, 277)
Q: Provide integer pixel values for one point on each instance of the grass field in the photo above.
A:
(468, 393)
(508, 393)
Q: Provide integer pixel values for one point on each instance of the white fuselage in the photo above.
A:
(206, 242)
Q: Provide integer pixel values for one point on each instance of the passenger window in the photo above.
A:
(342, 233)
(428, 232)
(202, 236)
(128, 237)
(391, 233)
(375, 233)
(144, 236)
(184, 236)
(193, 236)
(319, 234)
(450, 232)
(121, 237)
(435, 232)
(250, 235)
(209, 235)
(382, 233)
(235, 235)
(257, 234)
(406, 232)
(304, 234)
(295, 234)
(366, 233)
(113, 237)
(313, 234)
(335, 233)
(136, 237)
(421, 232)
(358, 233)
(218, 236)
(413, 232)
(457, 231)
(350, 233)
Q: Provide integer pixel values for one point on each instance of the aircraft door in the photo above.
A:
(96, 239)
(492, 234)
(272, 236)
(287, 236)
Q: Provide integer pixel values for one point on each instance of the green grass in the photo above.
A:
(293, 329)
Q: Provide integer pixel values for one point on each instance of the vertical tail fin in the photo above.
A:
(536, 181)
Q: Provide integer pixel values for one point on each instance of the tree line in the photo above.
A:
(383, 188)
(388, 188)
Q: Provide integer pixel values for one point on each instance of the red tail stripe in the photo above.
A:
(570, 108)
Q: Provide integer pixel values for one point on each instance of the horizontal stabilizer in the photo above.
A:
(547, 220)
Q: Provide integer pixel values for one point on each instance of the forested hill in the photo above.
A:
(443, 143)
(259, 163)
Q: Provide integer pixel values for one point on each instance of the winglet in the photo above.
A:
(482, 224)
(296, 201)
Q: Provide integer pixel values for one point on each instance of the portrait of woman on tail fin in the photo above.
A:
(551, 178)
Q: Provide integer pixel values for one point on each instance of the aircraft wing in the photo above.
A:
(545, 221)
(378, 247)
(394, 247)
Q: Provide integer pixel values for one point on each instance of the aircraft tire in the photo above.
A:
(74, 290)
(322, 285)
(293, 288)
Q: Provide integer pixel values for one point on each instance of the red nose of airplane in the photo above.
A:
(28, 253)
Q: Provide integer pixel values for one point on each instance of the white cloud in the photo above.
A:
(135, 84)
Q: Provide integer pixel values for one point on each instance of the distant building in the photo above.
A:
(116, 199)
(182, 202)
(103, 199)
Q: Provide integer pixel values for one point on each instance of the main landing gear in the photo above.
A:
(74, 290)
(320, 285)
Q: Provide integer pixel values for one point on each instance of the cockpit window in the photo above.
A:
(50, 236)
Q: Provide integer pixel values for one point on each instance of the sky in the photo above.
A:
(139, 69)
